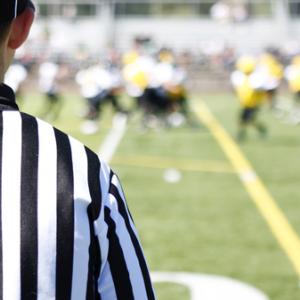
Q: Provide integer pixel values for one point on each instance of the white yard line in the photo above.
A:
(114, 137)
(210, 287)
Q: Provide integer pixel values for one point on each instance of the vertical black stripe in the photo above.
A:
(93, 214)
(117, 261)
(1, 256)
(29, 231)
(142, 262)
(65, 218)
(112, 174)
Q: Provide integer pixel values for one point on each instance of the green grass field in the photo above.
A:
(206, 223)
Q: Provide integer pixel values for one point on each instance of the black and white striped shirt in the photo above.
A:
(66, 231)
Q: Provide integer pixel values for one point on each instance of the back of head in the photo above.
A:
(16, 17)
(10, 9)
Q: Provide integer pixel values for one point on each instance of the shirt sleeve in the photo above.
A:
(124, 273)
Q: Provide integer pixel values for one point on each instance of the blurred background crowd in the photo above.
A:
(157, 51)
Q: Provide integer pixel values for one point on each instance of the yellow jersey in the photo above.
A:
(247, 90)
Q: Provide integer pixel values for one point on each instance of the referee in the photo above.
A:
(65, 229)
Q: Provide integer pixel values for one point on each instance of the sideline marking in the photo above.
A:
(210, 287)
(166, 162)
(114, 137)
(278, 223)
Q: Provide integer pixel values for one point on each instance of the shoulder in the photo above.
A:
(81, 156)
(64, 141)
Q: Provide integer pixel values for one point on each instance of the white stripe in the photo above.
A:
(16, 8)
(132, 263)
(11, 184)
(113, 138)
(106, 284)
(81, 230)
(105, 180)
(46, 212)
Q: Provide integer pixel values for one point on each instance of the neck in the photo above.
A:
(1, 75)
(2, 66)
(6, 57)
(2, 69)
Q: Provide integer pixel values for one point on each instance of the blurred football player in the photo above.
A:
(49, 79)
(292, 75)
(271, 70)
(137, 69)
(99, 85)
(250, 89)
(166, 93)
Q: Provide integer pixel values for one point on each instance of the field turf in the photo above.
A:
(206, 222)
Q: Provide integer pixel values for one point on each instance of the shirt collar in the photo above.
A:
(7, 98)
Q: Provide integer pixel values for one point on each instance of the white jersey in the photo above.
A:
(270, 82)
(138, 74)
(96, 79)
(167, 73)
(292, 72)
(256, 80)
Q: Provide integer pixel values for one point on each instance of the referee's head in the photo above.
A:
(16, 17)
(10, 9)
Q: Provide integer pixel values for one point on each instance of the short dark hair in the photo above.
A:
(4, 27)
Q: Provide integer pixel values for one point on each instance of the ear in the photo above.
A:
(20, 29)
